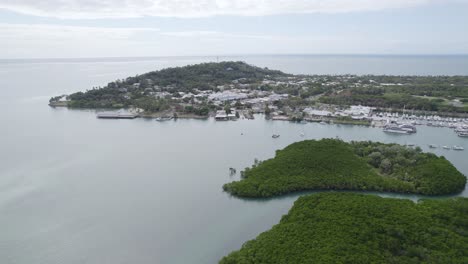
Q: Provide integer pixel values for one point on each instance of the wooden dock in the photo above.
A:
(116, 115)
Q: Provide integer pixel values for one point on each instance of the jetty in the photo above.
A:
(116, 115)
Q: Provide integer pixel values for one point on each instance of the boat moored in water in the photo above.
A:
(408, 127)
(395, 130)
(458, 147)
(393, 127)
(166, 118)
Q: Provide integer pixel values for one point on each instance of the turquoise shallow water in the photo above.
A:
(75, 189)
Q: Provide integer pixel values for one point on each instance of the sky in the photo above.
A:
(133, 28)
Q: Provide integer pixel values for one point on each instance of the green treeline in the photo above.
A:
(398, 97)
(331, 164)
(356, 228)
(205, 76)
(427, 93)
(139, 90)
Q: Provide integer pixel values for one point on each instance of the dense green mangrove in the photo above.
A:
(357, 228)
(332, 164)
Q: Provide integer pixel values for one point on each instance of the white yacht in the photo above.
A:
(395, 129)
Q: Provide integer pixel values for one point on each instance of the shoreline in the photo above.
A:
(374, 120)
(247, 115)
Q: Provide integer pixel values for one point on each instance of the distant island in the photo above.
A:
(356, 228)
(332, 164)
(240, 89)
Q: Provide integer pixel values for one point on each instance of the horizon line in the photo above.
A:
(236, 55)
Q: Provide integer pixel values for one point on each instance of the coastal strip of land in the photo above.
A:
(231, 90)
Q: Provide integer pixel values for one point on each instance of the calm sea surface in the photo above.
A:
(75, 189)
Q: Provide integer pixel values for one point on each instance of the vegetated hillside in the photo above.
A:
(134, 90)
(427, 93)
(206, 75)
(356, 228)
(331, 164)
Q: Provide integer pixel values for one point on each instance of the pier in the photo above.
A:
(116, 115)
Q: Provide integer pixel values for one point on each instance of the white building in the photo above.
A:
(227, 96)
(358, 110)
(316, 112)
(221, 115)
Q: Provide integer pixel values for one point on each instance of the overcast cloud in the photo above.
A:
(120, 28)
(79, 9)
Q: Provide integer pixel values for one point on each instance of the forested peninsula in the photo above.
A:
(202, 89)
(357, 228)
(332, 164)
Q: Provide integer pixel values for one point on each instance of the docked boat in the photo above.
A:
(458, 148)
(461, 129)
(462, 134)
(392, 127)
(275, 136)
(432, 146)
(166, 118)
(446, 147)
(395, 130)
(408, 127)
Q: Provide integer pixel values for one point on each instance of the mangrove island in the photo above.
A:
(332, 164)
(357, 228)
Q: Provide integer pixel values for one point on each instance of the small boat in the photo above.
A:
(410, 144)
(432, 146)
(167, 118)
(458, 148)
(323, 123)
(275, 136)
(446, 147)
(302, 134)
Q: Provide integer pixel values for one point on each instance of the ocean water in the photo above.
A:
(76, 189)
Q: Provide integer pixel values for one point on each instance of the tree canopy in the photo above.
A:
(357, 228)
(331, 164)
